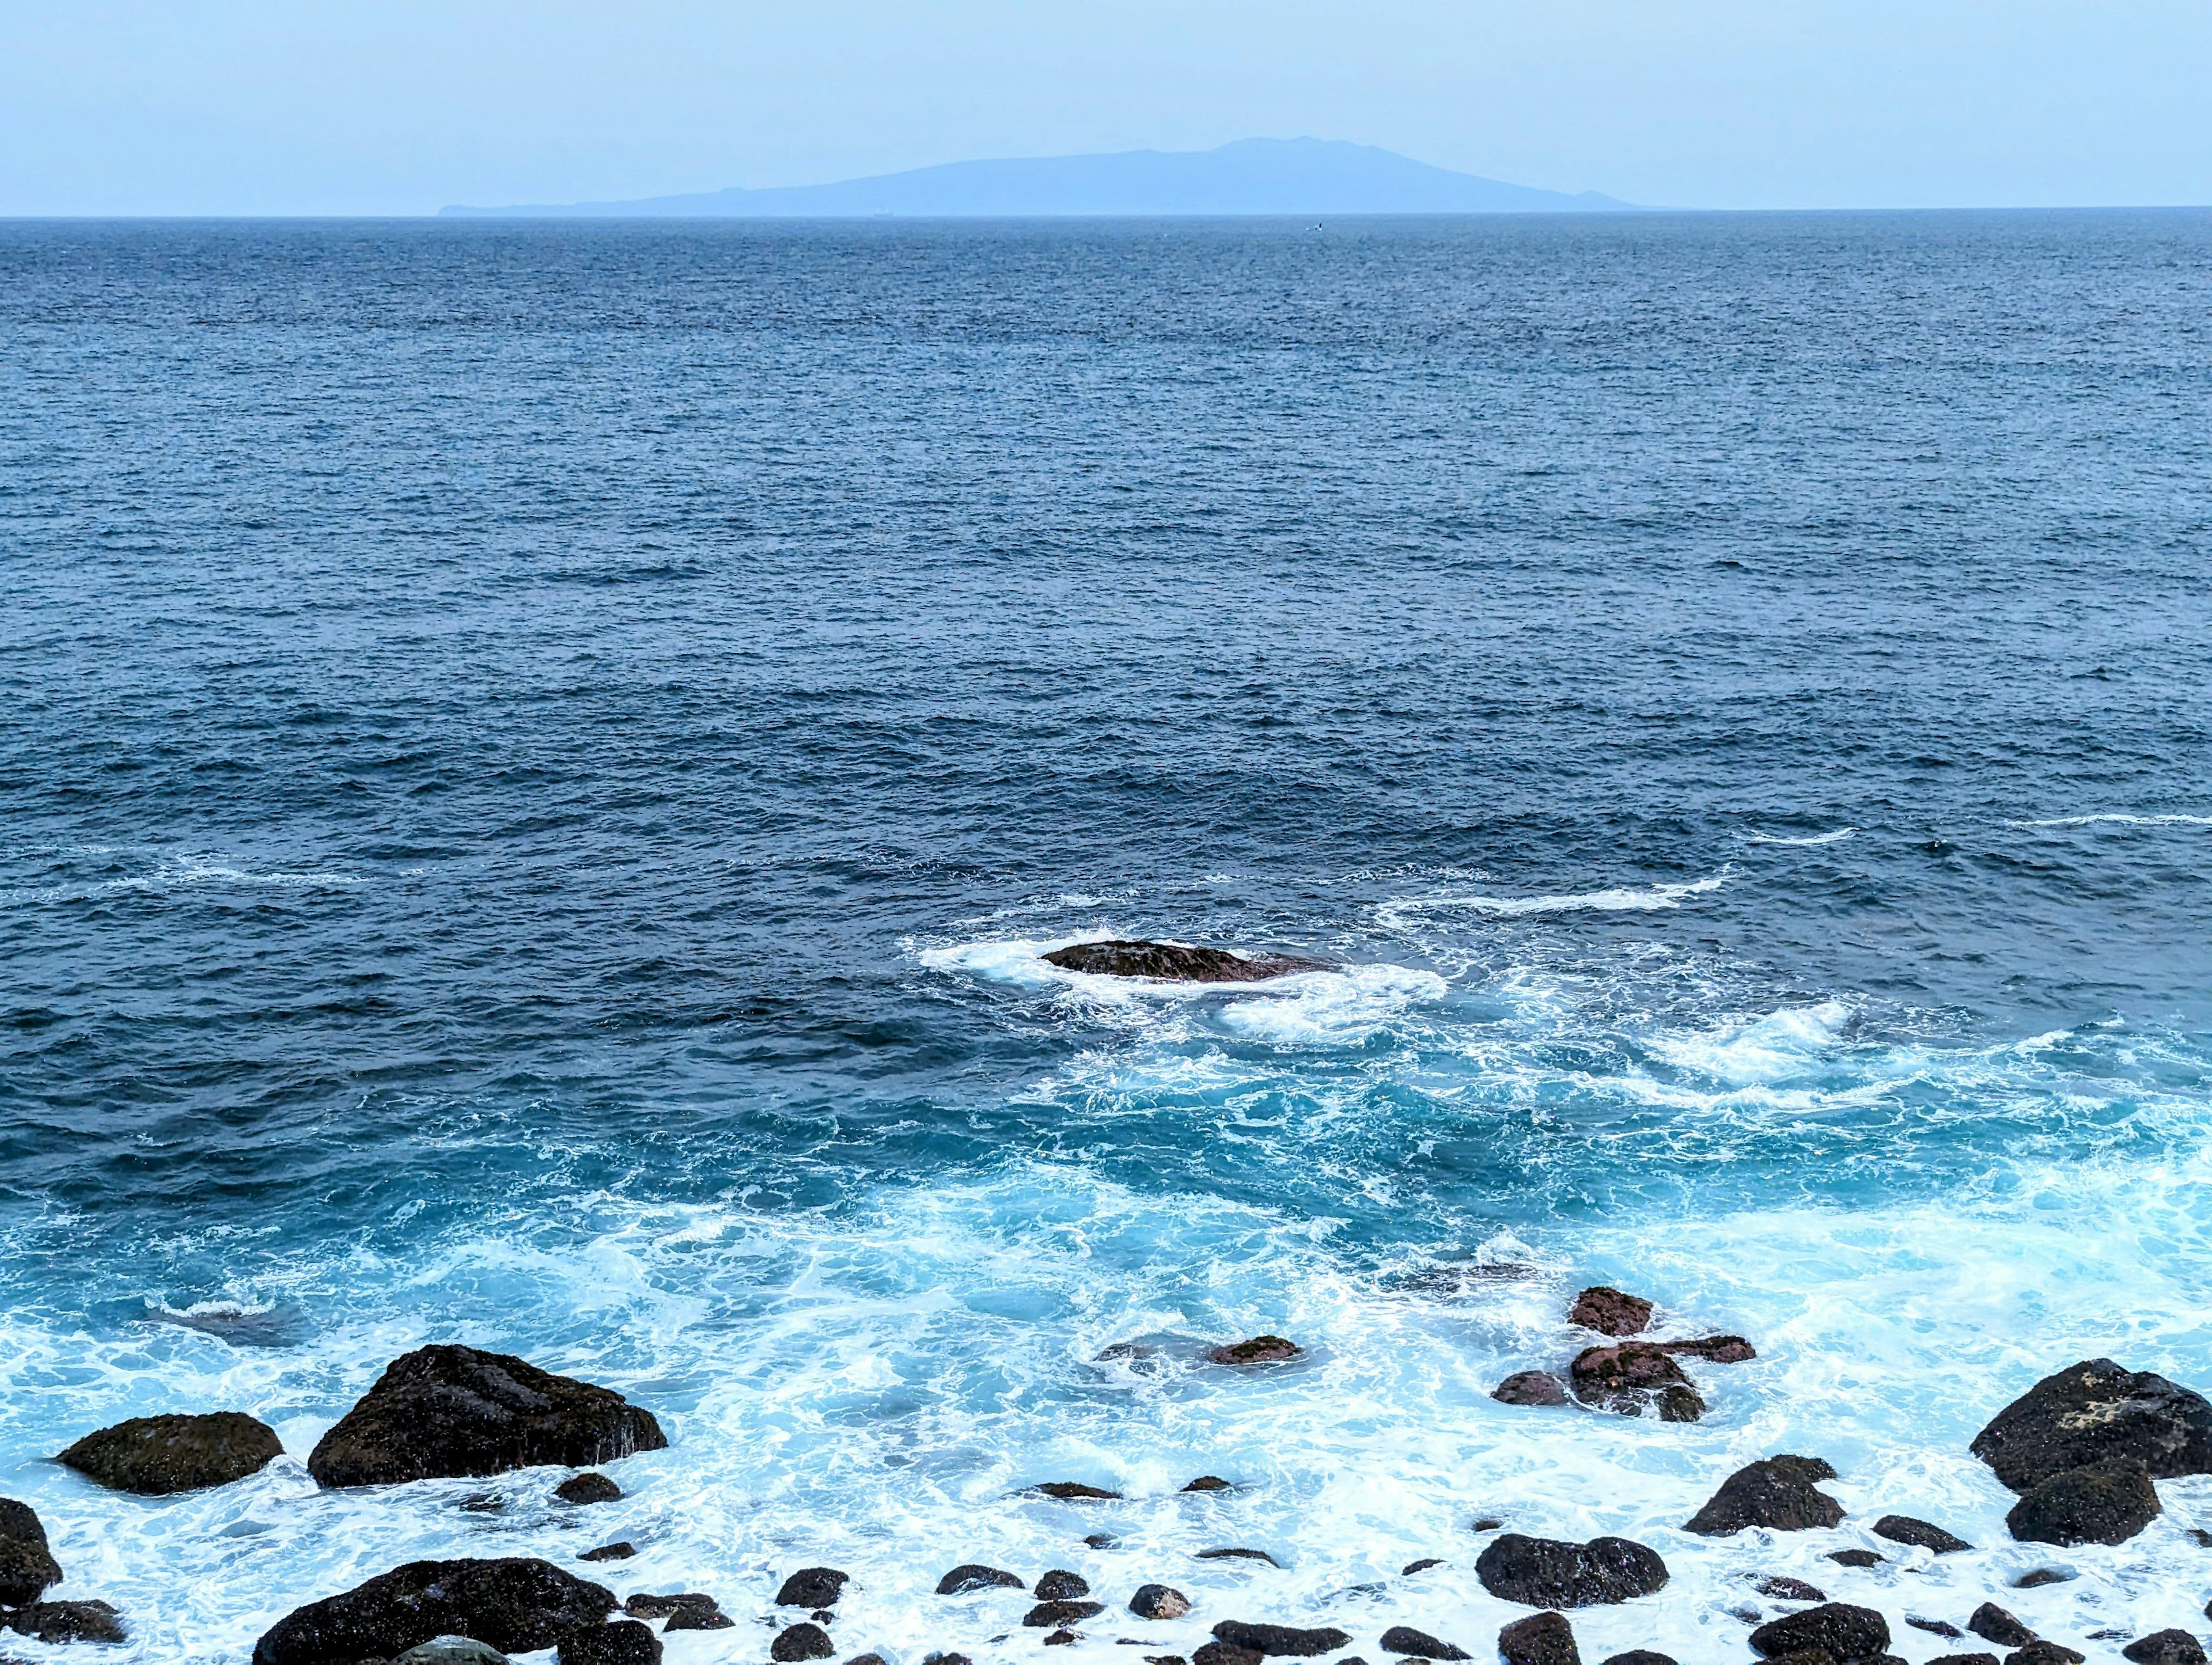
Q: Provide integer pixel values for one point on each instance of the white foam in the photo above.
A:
(1779, 1047)
(184, 872)
(1332, 1008)
(1650, 898)
(1834, 837)
(2119, 820)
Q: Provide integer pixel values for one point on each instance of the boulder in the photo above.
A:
(1775, 1492)
(625, 1642)
(451, 1410)
(1609, 1312)
(617, 1552)
(706, 1615)
(1640, 1656)
(516, 1604)
(27, 1565)
(1050, 1615)
(1993, 1624)
(1855, 1558)
(1844, 1632)
(2039, 1576)
(1062, 1638)
(1543, 1638)
(1920, 1534)
(1258, 1350)
(1544, 1572)
(1632, 1377)
(2165, 1647)
(2094, 1412)
(1406, 1640)
(1278, 1638)
(813, 1587)
(1061, 1585)
(1713, 1349)
(1171, 961)
(1789, 1589)
(155, 1456)
(1158, 1601)
(1239, 1555)
(801, 1641)
(68, 1621)
(452, 1650)
(1530, 1387)
(970, 1575)
(2043, 1652)
(1208, 1483)
(1220, 1653)
(1964, 1659)
(590, 1486)
(2100, 1503)
(1935, 1627)
(1074, 1491)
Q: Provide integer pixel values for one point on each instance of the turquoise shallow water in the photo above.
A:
(539, 762)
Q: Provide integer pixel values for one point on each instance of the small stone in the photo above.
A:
(1421, 1566)
(1609, 1312)
(1278, 1638)
(801, 1641)
(452, 1650)
(591, 1486)
(1919, 1535)
(1539, 1388)
(68, 1621)
(1993, 1624)
(156, 1456)
(622, 1641)
(813, 1587)
(1403, 1639)
(1158, 1601)
(1487, 1523)
(1050, 1615)
(1239, 1555)
(1935, 1627)
(1061, 1585)
(1258, 1350)
(2102, 1503)
(615, 1552)
(1220, 1653)
(2165, 1647)
(1544, 1638)
(1839, 1630)
(1075, 1492)
(1855, 1558)
(1060, 1638)
(1789, 1589)
(971, 1576)
(2040, 1576)
(1775, 1492)
(1208, 1483)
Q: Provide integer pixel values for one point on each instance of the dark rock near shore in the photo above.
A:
(1220, 1653)
(1239, 1555)
(1855, 1558)
(1258, 1350)
(1062, 1639)
(970, 1575)
(2165, 1647)
(1208, 1483)
(1405, 1640)
(813, 1587)
(451, 1410)
(1421, 1566)
(805, 1640)
(2040, 1576)
(452, 1650)
(877, 1659)
(617, 1552)
(1964, 1659)
(68, 1621)
(1545, 1573)
(1610, 1312)
(1842, 1631)
(26, 1565)
(155, 1456)
(2091, 1412)
(1158, 1601)
(590, 1486)
(1543, 1638)
(1046, 1615)
(1173, 962)
(1789, 1589)
(1713, 1349)
(1640, 1656)
(1074, 1491)
(1775, 1492)
(1530, 1387)
(1278, 1638)
(625, 1642)
(1993, 1624)
(2043, 1651)
(1920, 1534)
(2102, 1503)
(1630, 1377)
(1935, 1627)
(681, 1605)
(517, 1605)
(1061, 1585)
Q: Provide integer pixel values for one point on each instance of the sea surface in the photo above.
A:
(538, 761)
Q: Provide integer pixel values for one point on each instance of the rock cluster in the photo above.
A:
(1630, 1377)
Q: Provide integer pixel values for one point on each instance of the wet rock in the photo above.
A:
(813, 1587)
(2102, 1503)
(1158, 1601)
(1404, 1639)
(155, 1456)
(1544, 1572)
(1964, 1659)
(1920, 1534)
(970, 1575)
(1049, 1616)
(1075, 1492)
(1487, 1523)
(27, 1565)
(1543, 1638)
(1177, 1659)
(1855, 1558)
(68, 1621)
(1258, 1350)
(1059, 1639)
(517, 1604)
(1789, 1589)
(1421, 1566)
(2092, 1413)
(1775, 1492)
(1457, 1279)
(805, 1640)
(1530, 1387)
(1713, 1349)
(1844, 1632)
(1935, 1627)
(1220, 1653)
(1993, 1624)
(1278, 1638)
(1173, 962)
(1099, 1540)
(876, 1659)
(2165, 1647)
(625, 1642)
(949, 1659)
(1208, 1483)
(1640, 1656)
(1239, 1555)
(615, 1552)
(1609, 1312)
(452, 1650)
(590, 1486)
(1061, 1585)
(2040, 1576)
(644, 1606)
(451, 1410)
(1632, 1377)
(2042, 1652)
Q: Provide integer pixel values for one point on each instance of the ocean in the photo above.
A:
(538, 763)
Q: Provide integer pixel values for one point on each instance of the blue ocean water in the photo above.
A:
(536, 763)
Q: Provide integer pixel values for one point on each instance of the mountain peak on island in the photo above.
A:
(1251, 176)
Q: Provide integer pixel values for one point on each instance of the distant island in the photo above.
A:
(1253, 176)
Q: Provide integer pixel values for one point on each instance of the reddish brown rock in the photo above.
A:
(1260, 1349)
(1610, 1312)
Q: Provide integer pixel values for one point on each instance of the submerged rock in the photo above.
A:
(1714, 1349)
(2165, 1647)
(1610, 1312)
(590, 1486)
(1530, 1387)
(1640, 1656)
(1855, 1558)
(1964, 1659)
(2100, 1503)
(2040, 1576)
(452, 1650)
(1260, 1349)
(813, 1587)
(1404, 1639)
(1048, 1615)
(1278, 1638)
(451, 1410)
(1421, 1566)
(518, 1605)
(1844, 1632)
(1158, 1601)
(1545, 1573)
(1543, 1638)
(26, 1565)
(1074, 1491)
(1632, 1376)
(803, 1640)
(617, 1552)
(972, 1576)
(1174, 963)
(1208, 1483)
(1239, 1555)
(2091, 1412)
(155, 1456)
(1920, 1534)
(1062, 1639)
(1778, 1494)
(68, 1621)
(1935, 1627)
(1789, 1589)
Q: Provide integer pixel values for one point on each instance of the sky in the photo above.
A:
(399, 106)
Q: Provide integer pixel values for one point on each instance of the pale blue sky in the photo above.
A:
(399, 105)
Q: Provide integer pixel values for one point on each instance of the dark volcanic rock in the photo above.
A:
(2040, 1576)
(1404, 1639)
(449, 1410)
(1278, 1638)
(590, 1486)
(1775, 1492)
(1544, 1572)
(625, 1642)
(1789, 1589)
(1062, 1639)
(645, 1606)
(801, 1641)
(1993, 1624)
(970, 1575)
(617, 1551)
(1258, 1350)
(1903, 1529)
(1543, 1638)
(1640, 1656)
(1609, 1312)
(1220, 1653)
(1208, 1483)
(1630, 1377)
(1842, 1631)
(1158, 1601)
(27, 1565)
(68, 1621)
(2102, 1502)
(1075, 1492)
(2165, 1647)
(1855, 1558)
(1964, 1659)
(1173, 962)
(1714, 1349)
(1049, 1616)
(154, 1455)
(813, 1587)
(517, 1605)
(1421, 1566)
(1530, 1387)
(2092, 1412)
(2043, 1652)
(1935, 1627)
(1239, 1555)
(1061, 1585)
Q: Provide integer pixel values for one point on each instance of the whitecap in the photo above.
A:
(1400, 909)
(2117, 820)
(1332, 1008)
(1835, 837)
(1774, 1047)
